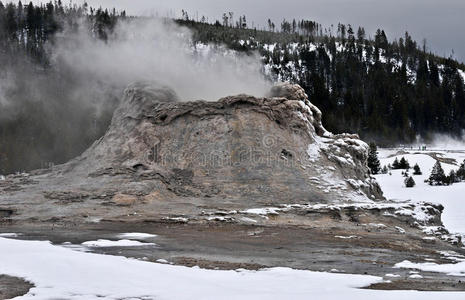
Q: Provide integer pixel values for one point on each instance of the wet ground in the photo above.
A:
(11, 287)
(219, 245)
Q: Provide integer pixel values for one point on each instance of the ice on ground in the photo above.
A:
(60, 273)
(136, 235)
(119, 243)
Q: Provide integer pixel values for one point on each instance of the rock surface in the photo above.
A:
(279, 189)
(165, 157)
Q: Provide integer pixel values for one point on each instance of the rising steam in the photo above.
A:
(52, 114)
(159, 50)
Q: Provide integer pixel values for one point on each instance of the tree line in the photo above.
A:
(387, 91)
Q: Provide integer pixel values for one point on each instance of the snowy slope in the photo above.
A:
(451, 197)
(292, 70)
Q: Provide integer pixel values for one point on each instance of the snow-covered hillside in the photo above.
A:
(451, 197)
(282, 62)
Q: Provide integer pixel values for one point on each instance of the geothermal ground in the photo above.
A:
(287, 210)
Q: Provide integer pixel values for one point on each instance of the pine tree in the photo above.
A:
(409, 182)
(385, 170)
(437, 177)
(461, 172)
(403, 164)
(396, 164)
(452, 177)
(416, 170)
(373, 161)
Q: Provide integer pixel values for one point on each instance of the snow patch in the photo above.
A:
(9, 235)
(347, 237)
(263, 211)
(119, 243)
(136, 235)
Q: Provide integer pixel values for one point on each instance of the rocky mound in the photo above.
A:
(166, 156)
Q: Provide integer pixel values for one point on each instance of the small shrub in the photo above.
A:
(416, 170)
(409, 182)
(385, 170)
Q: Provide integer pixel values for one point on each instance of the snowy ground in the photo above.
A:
(61, 273)
(69, 272)
(451, 197)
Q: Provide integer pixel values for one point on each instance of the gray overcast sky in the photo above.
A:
(441, 22)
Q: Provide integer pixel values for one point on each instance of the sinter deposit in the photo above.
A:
(163, 158)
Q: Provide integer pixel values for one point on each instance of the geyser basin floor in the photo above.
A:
(375, 251)
(92, 276)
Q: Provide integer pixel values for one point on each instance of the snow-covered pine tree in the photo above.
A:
(437, 177)
(395, 164)
(452, 177)
(385, 170)
(416, 170)
(373, 161)
(403, 164)
(409, 182)
(461, 172)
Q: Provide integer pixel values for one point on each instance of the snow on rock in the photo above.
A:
(400, 229)
(263, 211)
(177, 219)
(452, 255)
(427, 215)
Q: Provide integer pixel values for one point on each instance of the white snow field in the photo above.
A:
(61, 273)
(451, 197)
